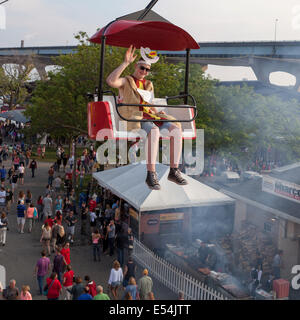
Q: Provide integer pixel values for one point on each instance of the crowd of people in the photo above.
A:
(62, 218)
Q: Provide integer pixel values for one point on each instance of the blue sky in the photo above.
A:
(54, 22)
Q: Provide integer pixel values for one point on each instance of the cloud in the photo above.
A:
(39, 22)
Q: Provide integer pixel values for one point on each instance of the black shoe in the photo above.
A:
(152, 180)
(175, 176)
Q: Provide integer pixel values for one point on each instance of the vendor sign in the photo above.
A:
(171, 216)
(281, 188)
(133, 214)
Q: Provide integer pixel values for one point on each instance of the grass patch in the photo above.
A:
(50, 154)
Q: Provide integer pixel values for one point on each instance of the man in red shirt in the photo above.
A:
(65, 251)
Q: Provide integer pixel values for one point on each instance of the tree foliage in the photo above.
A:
(13, 78)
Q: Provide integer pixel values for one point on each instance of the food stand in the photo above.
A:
(186, 259)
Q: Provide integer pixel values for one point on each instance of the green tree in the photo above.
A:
(12, 82)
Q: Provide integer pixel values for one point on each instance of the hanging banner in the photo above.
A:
(281, 188)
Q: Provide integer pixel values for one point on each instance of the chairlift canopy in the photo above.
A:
(155, 35)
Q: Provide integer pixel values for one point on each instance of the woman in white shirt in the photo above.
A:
(21, 173)
(115, 278)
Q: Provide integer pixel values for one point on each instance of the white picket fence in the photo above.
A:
(172, 277)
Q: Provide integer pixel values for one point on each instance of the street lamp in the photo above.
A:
(276, 28)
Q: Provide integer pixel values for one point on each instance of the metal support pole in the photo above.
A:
(102, 55)
(187, 72)
(147, 10)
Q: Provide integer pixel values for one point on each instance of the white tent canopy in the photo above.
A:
(128, 183)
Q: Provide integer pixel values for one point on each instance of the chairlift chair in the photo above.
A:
(104, 113)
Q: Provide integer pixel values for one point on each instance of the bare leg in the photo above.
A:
(175, 146)
(152, 148)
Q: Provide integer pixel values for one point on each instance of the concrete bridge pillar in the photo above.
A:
(41, 70)
(263, 67)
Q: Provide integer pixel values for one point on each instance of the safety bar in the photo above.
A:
(118, 105)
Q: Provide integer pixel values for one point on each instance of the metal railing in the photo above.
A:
(173, 278)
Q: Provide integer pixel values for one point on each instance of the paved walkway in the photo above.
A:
(22, 251)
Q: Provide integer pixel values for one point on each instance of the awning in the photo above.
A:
(15, 115)
(128, 183)
(156, 35)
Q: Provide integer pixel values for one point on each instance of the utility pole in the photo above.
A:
(275, 38)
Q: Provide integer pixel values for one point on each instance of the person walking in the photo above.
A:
(57, 184)
(111, 233)
(58, 203)
(3, 175)
(104, 236)
(132, 289)
(33, 167)
(92, 285)
(96, 237)
(130, 242)
(65, 251)
(28, 198)
(93, 220)
(129, 271)
(42, 268)
(9, 198)
(59, 264)
(58, 217)
(12, 291)
(145, 285)
(50, 175)
(77, 289)
(115, 278)
(47, 203)
(21, 173)
(71, 221)
(2, 199)
(3, 228)
(25, 293)
(100, 295)
(55, 230)
(39, 206)
(68, 282)
(46, 238)
(121, 243)
(14, 180)
(21, 214)
(54, 287)
(86, 294)
(84, 216)
(30, 217)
